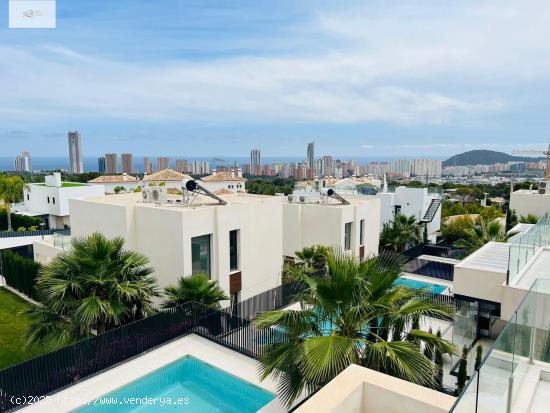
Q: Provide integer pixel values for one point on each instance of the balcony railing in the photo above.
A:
(508, 378)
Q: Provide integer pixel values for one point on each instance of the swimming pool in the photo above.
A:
(434, 288)
(188, 385)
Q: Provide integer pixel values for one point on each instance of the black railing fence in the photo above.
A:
(37, 233)
(434, 269)
(54, 371)
(274, 299)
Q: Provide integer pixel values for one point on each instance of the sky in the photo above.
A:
(216, 78)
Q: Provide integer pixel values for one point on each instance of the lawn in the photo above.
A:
(12, 330)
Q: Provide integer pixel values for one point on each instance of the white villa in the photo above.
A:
(51, 199)
(110, 182)
(225, 181)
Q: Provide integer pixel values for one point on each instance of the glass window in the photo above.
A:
(48, 200)
(234, 250)
(362, 232)
(53, 200)
(200, 254)
(347, 236)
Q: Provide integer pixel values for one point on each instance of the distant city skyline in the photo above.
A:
(211, 81)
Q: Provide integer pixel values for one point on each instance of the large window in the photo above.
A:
(362, 232)
(200, 254)
(347, 236)
(234, 250)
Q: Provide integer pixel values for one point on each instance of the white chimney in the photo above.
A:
(124, 176)
(53, 180)
(232, 173)
(240, 173)
(214, 172)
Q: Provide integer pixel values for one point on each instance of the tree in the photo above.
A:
(428, 348)
(511, 219)
(456, 228)
(94, 286)
(313, 258)
(355, 314)
(483, 232)
(479, 356)
(119, 188)
(401, 233)
(11, 190)
(529, 219)
(197, 288)
(462, 375)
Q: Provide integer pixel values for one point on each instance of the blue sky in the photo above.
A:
(215, 78)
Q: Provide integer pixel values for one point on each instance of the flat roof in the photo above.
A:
(493, 256)
(135, 199)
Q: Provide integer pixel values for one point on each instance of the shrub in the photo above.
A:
(479, 356)
(462, 375)
(33, 228)
(20, 272)
(21, 229)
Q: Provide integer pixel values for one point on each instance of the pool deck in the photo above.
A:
(97, 386)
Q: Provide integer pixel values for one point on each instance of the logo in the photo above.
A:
(32, 14)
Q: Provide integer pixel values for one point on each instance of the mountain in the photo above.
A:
(485, 157)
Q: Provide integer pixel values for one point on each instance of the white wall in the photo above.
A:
(477, 283)
(305, 225)
(110, 186)
(164, 235)
(525, 203)
(214, 186)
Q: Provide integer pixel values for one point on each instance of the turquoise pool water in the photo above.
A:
(187, 385)
(434, 288)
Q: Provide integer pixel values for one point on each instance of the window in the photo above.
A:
(234, 250)
(347, 236)
(362, 232)
(397, 209)
(53, 199)
(200, 254)
(28, 197)
(48, 200)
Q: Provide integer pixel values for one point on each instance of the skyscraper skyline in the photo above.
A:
(101, 164)
(255, 162)
(111, 164)
(163, 162)
(23, 162)
(147, 165)
(75, 152)
(127, 163)
(311, 155)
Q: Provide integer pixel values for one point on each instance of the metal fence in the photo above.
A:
(434, 269)
(37, 233)
(56, 370)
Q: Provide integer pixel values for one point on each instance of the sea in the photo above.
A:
(49, 163)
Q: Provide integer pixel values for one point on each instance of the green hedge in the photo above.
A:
(20, 272)
(18, 221)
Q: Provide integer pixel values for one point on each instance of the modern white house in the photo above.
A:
(51, 199)
(353, 226)
(218, 181)
(124, 183)
(238, 244)
(417, 202)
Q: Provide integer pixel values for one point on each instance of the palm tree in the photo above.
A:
(356, 314)
(197, 288)
(401, 233)
(314, 258)
(94, 286)
(529, 219)
(11, 190)
(486, 230)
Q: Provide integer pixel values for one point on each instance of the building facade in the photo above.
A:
(255, 162)
(75, 152)
(23, 162)
(111, 164)
(163, 162)
(101, 165)
(127, 163)
(147, 165)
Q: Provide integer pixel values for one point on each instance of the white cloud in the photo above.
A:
(397, 65)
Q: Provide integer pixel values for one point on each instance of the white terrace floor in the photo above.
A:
(95, 387)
